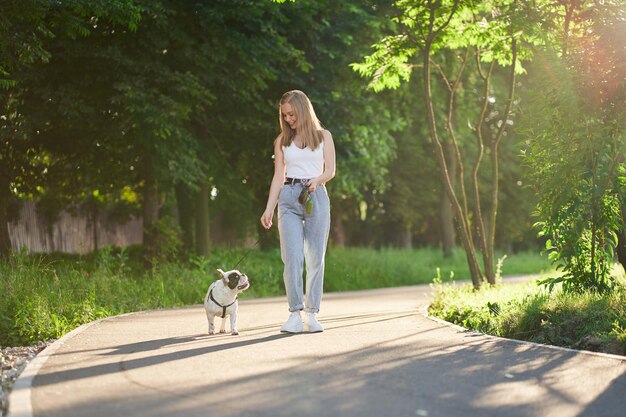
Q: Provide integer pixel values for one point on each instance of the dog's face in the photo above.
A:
(235, 280)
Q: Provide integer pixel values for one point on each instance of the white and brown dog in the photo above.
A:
(221, 299)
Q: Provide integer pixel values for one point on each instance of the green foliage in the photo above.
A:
(456, 25)
(575, 123)
(45, 297)
(30, 137)
(155, 98)
(25, 27)
(104, 93)
(573, 155)
(590, 321)
(168, 242)
(619, 332)
(40, 318)
(450, 40)
(362, 123)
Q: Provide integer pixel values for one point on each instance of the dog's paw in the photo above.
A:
(222, 331)
(211, 332)
(235, 333)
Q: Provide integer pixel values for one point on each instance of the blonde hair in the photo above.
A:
(308, 126)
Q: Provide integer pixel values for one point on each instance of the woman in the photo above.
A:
(304, 160)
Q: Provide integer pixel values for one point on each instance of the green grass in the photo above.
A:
(44, 297)
(358, 268)
(588, 321)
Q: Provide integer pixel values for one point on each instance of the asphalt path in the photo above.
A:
(379, 356)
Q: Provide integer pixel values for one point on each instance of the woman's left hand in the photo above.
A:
(312, 184)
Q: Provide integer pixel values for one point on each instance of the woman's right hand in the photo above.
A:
(266, 218)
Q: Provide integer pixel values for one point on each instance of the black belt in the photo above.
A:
(291, 181)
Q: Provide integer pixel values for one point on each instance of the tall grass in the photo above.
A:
(358, 268)
(44, 297)
(590, 321)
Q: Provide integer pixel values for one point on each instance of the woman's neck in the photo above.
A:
(299, 142)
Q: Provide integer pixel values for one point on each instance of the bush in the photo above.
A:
(590, 320)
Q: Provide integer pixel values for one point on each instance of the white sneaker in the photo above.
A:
(293, 324)
(312, 323)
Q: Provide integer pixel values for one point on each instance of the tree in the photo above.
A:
(477, 33)
(576, 143)
(236, 56)
(25, 30)
(161, 102)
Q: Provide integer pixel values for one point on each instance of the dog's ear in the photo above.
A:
(223, 276)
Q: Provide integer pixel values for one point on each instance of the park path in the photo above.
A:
(378, 357)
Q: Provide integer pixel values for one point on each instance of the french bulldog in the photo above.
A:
(221, 299)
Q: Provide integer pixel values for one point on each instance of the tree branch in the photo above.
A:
(479, 67)
(447, 22)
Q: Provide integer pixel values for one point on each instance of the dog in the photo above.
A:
(221, 299)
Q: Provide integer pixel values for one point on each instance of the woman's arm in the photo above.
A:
(329, 163)
(277, 182)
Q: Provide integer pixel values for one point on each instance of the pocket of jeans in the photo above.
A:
(286, 196)
(320, 197)
(323, 192)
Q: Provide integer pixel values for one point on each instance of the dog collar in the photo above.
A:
(219, 305)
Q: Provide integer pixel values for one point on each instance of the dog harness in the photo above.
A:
(219, 305)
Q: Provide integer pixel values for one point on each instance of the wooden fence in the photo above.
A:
(70, 233)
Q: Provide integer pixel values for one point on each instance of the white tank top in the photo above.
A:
(304, 163)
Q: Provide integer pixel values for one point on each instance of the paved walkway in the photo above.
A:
(378, 357)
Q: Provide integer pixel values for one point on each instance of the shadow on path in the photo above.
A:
(109, 368)
(614, 394)
(429, 370)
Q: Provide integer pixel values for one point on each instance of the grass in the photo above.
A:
(358, 268)
(44, 297)
(589, 321)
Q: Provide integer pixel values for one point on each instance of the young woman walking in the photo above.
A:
(304, 160)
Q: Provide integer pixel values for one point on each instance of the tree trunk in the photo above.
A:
(94, 227)
(621, 239)
(5, 239)
(569, 11)
(184, 203)
(446, 220)
(406, 238)
(446, 215)
(339, 233)
(481, 231)
(150, 214)
(489, 257)
(454, 161)
(466, 236)
(202, 220)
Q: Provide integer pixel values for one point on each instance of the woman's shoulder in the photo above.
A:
(326, 134)
(278, 146)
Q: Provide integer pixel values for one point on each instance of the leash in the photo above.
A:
(245, 255)
(303, 198)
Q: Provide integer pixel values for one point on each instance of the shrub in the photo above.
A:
(590, 320)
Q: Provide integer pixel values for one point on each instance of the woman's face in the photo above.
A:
(289, 115)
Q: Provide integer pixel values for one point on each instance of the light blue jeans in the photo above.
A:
(303, 238)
